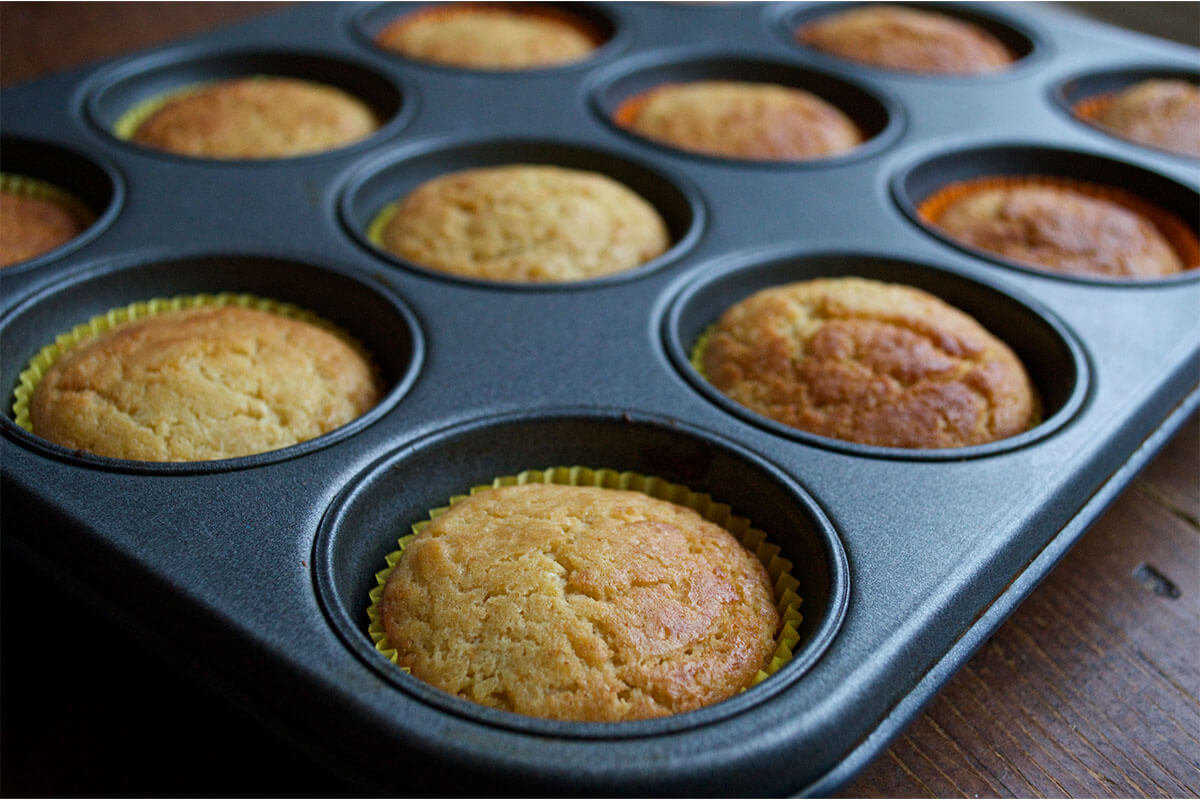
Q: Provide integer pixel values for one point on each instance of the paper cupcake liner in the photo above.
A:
(778, 568)
(1089, 108)
(1174, 230)
(696, 357)
(380, 222)
(35, 188)
(630, 108)
(41, 363)
(128, 123)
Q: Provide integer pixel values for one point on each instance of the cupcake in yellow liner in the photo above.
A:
(36, 217)
(538, 661)
(195, 378)
(523, 223)
(254, 117)
(1161, 113)
(1064, 225)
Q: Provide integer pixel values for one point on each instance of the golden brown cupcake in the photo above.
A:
(1069, 227)
(579, 603)
(201, 384)
(1157, 113)
(258, 117)
(869, 362)
(740, 120)
(31, 225)
(908, 39)
(525, 222)
(490, 36)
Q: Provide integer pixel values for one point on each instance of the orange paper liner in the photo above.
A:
(631, 107)
(1181, 238)
(779, 569)
(1089, 108)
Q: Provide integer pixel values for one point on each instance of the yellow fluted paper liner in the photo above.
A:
(38, 366)
(128, 123)
(697, 354)
(779, 569)
(380, 222)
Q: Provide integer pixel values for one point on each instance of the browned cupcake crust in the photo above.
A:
(869, 362)
(1158, 113)
(30, 226)
(525, 222)
(909, 39)
(259, 117)
(202, 384)
(490, 36)
(740, 120)
(1061, 229)
(579, 603)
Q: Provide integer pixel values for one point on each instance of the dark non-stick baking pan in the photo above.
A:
(258, 568)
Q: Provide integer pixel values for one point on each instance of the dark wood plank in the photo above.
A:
(1092, 688)
(40, 38)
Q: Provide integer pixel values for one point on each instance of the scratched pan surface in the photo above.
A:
(257, 569)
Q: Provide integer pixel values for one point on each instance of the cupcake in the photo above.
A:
(1157, 113)
(740, 120)
(201, 383)
(249, 118)
(908, 39)
(490, 36)
(579, 603)
(1064, 226)
(35, 218)
(524, 222)
(869, 362)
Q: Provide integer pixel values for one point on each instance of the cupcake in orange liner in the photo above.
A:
(586, 595)
(868, 362)
(37, 217)
(254, 117)
(195, 378)
(1064, 225)
(1159, 113)
(491, 36)
(737, 119)
(906, 39)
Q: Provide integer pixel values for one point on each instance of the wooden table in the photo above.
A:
(1089, 690)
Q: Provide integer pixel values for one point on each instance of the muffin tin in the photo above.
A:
(258, 568)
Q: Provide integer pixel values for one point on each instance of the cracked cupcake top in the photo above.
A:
(1158, 113)
(909, 39)
(492, 36)
(523, 222)
(579, 603)
(869, 362)
(30, 226)
(202, 384)
(1062, 229)
(740, 119)
(256, 117)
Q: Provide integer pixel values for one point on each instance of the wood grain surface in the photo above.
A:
(1089, 690)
